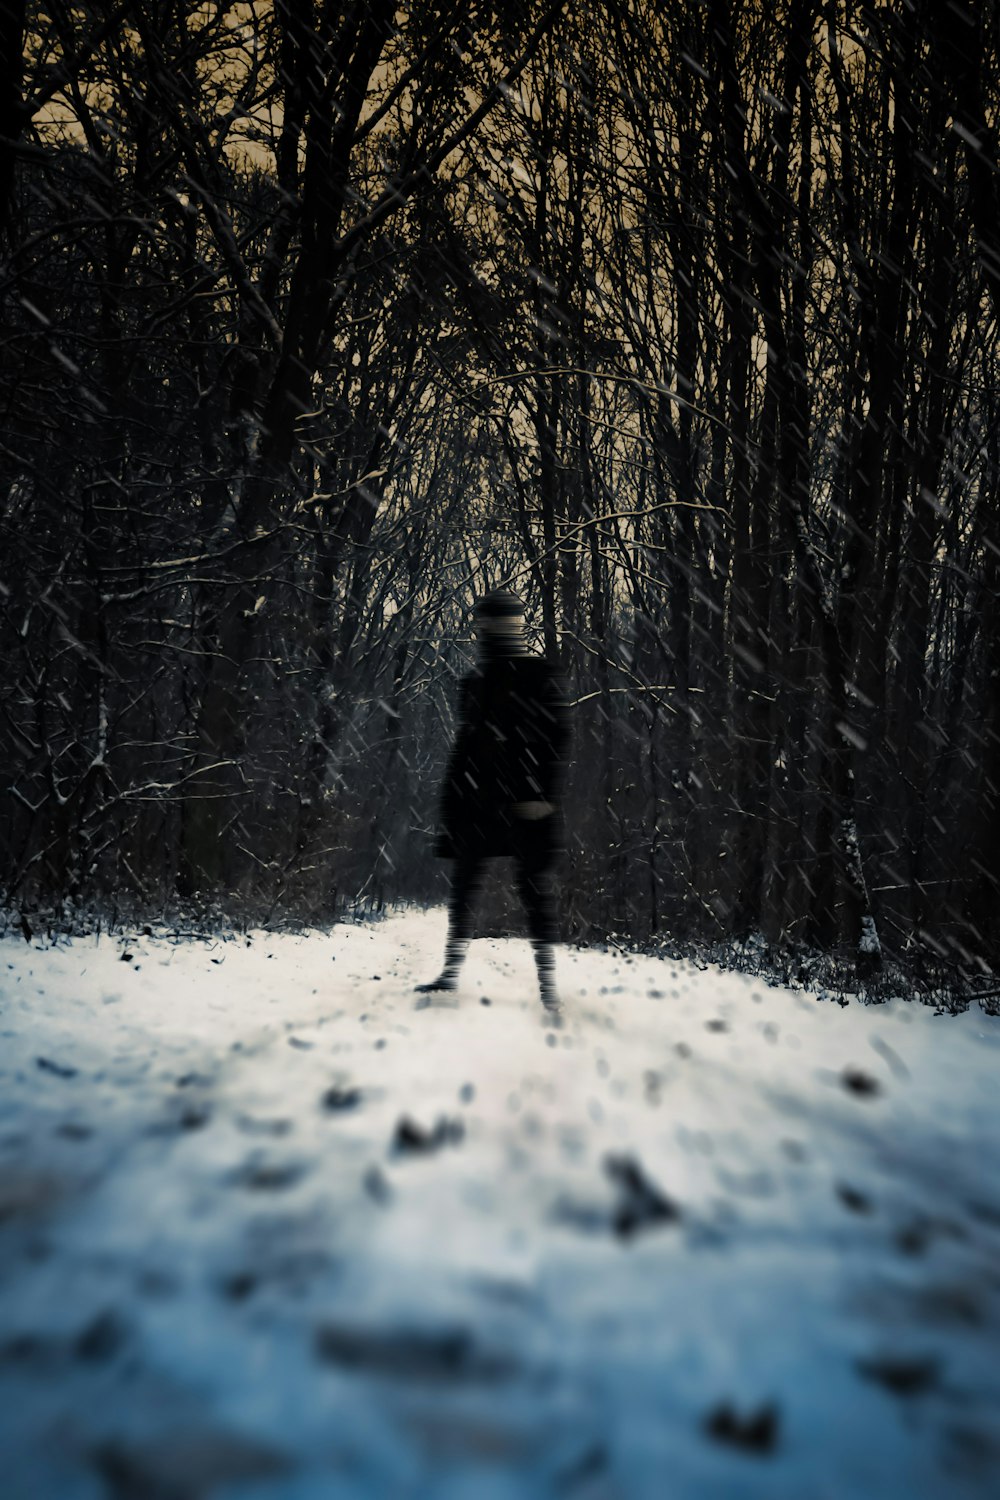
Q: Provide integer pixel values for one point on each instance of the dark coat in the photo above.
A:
(511, 747)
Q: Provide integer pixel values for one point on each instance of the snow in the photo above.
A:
(220, 1275)
(869, 942)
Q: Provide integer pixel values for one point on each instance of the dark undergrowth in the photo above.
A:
(924, 976)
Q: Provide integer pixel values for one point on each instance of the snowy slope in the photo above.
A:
(272, 1225)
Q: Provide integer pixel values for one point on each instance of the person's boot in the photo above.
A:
(545, 964)
(448, 977)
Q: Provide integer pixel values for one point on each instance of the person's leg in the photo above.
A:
(466, 881)
(537, 887)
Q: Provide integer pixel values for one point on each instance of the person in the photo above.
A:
(500, 794)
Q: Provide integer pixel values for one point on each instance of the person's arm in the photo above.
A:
(450, 790)
(542, 761)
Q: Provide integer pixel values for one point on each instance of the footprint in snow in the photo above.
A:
(853, 1199)
(905, 1376)
(58, 1070)
(412, 1354)
(269, 1177)
(338, 1100)
(186, 1461)
(862, 1085)
(377, 1186)
(104, 1337)
(914, 1237)
(252, 1125)
(412, 1139)
(100, 1340)
(641, 1204)
(753, 1433)
(194, 1117)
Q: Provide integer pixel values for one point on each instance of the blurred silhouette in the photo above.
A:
(501, 790)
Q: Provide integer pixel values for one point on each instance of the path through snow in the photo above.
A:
(274, 1226)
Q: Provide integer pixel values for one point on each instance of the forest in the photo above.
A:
(679, 319)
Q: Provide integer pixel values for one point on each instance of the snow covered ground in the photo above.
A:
(274, 1226)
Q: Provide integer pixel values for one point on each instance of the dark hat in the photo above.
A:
(498, 604)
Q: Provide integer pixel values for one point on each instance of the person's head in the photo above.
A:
(500, 624)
